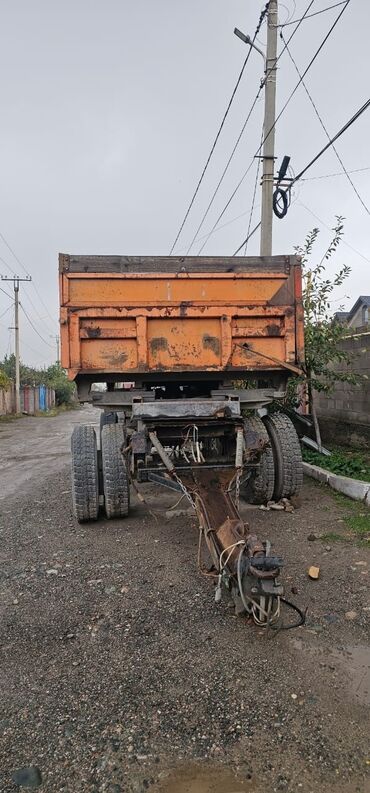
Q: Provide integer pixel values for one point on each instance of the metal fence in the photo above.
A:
(34, 399)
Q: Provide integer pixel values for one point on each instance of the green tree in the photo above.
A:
(56, 378)
(323, 334)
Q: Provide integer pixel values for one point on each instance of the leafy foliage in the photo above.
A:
(64, 388)
(352, 464)
(324, 355)
(322, 333)
(4, 379)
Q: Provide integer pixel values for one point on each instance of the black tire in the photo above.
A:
(110, 417)
(85, 476)
(259, 487)
(287, 455)
(115, 477)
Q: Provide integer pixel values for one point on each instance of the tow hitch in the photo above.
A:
(240, 562)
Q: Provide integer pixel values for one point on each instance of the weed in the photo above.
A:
(345, 463)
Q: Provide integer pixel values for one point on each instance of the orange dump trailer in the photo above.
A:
(165, 319)
(207, 345)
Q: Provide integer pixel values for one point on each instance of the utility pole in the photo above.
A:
(269, 131)
(16, 280)
(57, 340)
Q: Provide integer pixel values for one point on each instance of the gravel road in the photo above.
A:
(120, 673)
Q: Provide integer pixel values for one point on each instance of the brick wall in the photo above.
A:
(345, 414)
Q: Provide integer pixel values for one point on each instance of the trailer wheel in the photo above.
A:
(259, 487)
(109, 417)
(287, 455)
(85, 477)
(115, 477)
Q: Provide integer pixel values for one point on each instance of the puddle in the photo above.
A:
(356, 661)
(201, 779)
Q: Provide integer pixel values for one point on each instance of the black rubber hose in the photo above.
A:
(302, 615)
(280, 202)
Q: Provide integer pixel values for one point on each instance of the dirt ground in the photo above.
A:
(120, 673)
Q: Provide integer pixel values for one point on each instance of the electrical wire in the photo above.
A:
(252, 207)
(262, 16)
(32, 281)
(309, 16)
(223, 174)
(247, 239)
(325, 130)
(331, 175)
(6, 265)
(332, 140)
(9, 343)
(224, 225)
(347, 244)
(6, 311)
(266, 135)
(6, 293)
(33, 327)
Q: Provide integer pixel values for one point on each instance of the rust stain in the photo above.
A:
(212, 343)
(93, 333)
(116, 358)
(273, 330)
(184, 305)
(158, 343)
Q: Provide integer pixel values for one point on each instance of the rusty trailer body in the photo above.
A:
(163, 318)
(199, 339)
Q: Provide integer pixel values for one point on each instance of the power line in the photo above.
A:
(262, 16)
(6, 311)
(252, 207)
(245, 242)
(315, 14)
(33, 327)
(9, 342)
(6, 265)
(224, 171)
(262, 142)
(332, 140)
(223, 226)
(283, 108)
(27, 273)
(6, 293)
(347, 244)
(326, 131)
(331, 175)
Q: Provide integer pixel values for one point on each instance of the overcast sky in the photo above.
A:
(108, 112)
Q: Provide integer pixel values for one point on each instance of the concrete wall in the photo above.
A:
(31, 403)
(6, 400)
(345, 414)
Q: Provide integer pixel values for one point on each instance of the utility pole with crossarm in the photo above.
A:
(269, 131)
(16, 281)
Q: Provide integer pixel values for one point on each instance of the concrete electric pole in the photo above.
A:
(16, 280)
(269, 131)
(57, 341)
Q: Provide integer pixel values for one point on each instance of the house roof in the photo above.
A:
(341, 315)
(363, 300)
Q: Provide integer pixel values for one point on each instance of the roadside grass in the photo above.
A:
(345, 462)
(356, 517)
(55, 411)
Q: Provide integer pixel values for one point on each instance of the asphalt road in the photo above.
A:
(118, 672)
(33, 448)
